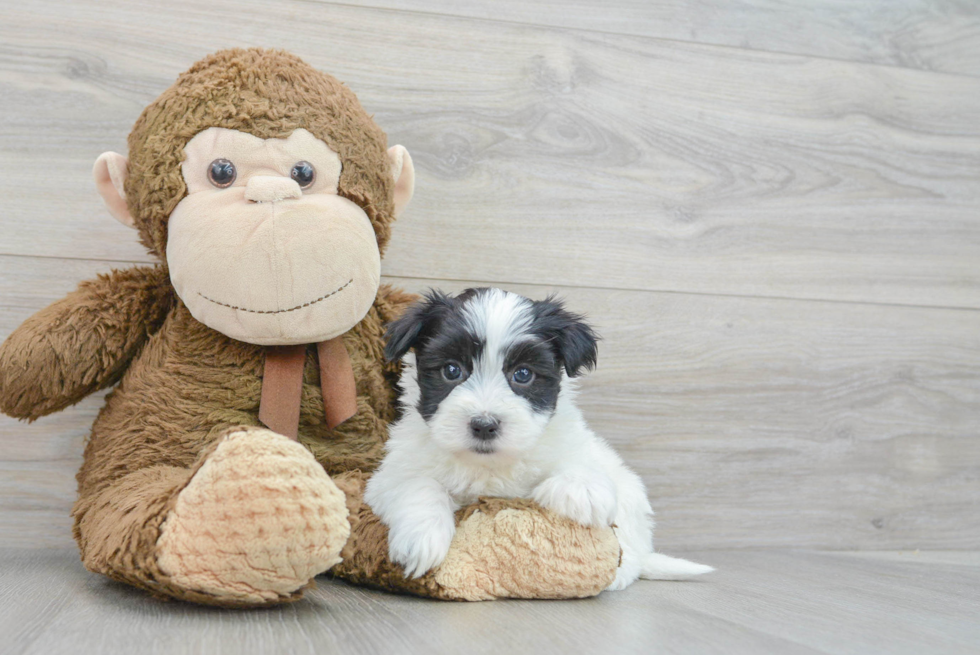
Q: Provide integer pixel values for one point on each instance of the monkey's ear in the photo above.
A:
(110, 179)
(404, 173)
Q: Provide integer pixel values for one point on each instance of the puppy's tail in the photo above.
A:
(663, 567)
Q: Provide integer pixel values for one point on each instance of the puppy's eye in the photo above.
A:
(452, 371)
(523, 375)
(221, 173)
(303, 173)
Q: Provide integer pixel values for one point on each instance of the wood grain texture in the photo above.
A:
(756, 602)
(755, 422)
(937, 35)
(639, 163)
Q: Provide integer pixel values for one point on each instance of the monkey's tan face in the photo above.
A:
(262, 248)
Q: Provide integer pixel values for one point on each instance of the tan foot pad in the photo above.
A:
(505, 550)
(256, 523)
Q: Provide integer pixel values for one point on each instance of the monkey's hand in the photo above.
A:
(82, 343)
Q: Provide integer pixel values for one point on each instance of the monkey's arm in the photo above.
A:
(503, 548)
(83, 342)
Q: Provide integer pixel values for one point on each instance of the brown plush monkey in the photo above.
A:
(268, 194)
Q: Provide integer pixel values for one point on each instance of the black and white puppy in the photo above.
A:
(488, 410)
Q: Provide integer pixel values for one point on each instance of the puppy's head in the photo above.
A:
(489, 366)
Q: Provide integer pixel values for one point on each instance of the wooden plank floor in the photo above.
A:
(757, 602)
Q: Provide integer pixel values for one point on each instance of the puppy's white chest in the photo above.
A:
(516, 482)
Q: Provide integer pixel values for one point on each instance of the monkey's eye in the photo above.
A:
(303, 173)
(222, 173)
(523, 375)
(452, 371)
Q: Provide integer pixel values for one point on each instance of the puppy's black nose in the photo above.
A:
(484, 428)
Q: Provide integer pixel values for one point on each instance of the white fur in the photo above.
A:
(431, 469)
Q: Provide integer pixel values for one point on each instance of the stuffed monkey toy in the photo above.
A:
(252, 394)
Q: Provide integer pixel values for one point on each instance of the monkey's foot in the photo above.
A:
(255, 524)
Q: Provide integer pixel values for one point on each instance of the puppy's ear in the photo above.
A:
(574, 340)
(404, 333)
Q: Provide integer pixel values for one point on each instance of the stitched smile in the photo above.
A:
(278, 311)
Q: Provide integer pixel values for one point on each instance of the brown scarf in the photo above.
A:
(282, 385)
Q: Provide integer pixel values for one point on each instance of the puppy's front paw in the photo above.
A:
(421, 546)
(583, 495)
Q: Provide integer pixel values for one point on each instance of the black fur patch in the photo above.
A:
(573, 340)
(451, 343)
(539, 357)
(417, 324)
(435, 328)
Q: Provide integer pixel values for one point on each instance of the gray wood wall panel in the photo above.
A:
(937, 35)
(754, 421)
(654, 164)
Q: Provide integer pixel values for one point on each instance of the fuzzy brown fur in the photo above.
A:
(182, 385)
(266, 93)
